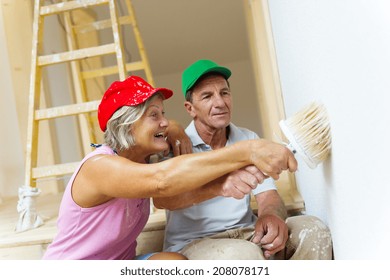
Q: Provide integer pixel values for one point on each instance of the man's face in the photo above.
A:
(211, 102)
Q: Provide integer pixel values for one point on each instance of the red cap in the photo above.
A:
(130, 92)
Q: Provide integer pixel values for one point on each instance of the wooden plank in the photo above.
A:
(93, 88)
(100, 25)
(54, 170)
(292, 200)
(140, 44)
(132, 66)
(69, 6)
(45, 60)
(29, 252)
(33, 99)
(271, 106)
(120, 54)
(67, 110)
(85, 131)
(47, 205)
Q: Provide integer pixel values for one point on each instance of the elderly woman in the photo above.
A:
(106, 203)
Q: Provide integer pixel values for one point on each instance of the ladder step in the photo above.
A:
(54, 170)
(68, 6)
(100, 25)
(67, 110)
(45, 60)
(132, 66)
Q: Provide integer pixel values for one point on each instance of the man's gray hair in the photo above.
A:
(118, 134)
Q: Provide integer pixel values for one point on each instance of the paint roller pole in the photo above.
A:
(28, 216)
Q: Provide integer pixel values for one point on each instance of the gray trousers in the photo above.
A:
(309, 239)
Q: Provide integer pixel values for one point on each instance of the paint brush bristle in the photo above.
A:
(308, 132)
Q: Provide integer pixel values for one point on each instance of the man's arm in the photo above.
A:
(270, 203)
(235, 184)
(271, 230)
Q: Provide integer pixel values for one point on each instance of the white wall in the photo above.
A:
(11, 151)
(338, 52)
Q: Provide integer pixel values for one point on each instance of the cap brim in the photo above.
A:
(219, 69)
(166, 92)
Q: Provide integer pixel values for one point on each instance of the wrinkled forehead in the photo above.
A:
(211, 81)
(156, 101)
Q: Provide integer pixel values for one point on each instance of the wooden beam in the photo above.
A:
(54, 170)
(132, 66)
(67, 110)
(269, 92)
(100, 25)
(51, 59)
(69, 6)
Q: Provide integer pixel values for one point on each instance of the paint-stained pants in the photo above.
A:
(309, 239)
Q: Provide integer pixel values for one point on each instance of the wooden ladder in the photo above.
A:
(82, 107)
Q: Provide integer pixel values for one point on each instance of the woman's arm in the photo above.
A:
(236, 184)
(190, 198)
(106, 176)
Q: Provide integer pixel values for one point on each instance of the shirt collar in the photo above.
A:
(193, 135)
(196, 140)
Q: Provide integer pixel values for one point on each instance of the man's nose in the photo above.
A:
(218, 100)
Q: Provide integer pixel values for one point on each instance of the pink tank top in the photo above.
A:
(104, 232)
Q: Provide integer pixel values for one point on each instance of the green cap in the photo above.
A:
(196, 70)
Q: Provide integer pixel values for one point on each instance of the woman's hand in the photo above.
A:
(272, 158)
(178, 140)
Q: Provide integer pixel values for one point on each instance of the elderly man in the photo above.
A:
(216, 221)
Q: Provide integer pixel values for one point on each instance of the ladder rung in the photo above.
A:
(50, 59)
(54, 170)
(99, 25)
(68, 6)
(132, 66)
(67, 110)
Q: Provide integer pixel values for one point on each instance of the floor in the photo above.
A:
(31, 244)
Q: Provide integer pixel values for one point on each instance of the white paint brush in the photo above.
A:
(308, 132)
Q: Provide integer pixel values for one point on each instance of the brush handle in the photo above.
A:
(293, 146)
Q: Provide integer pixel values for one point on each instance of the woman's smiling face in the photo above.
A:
(150, 130)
